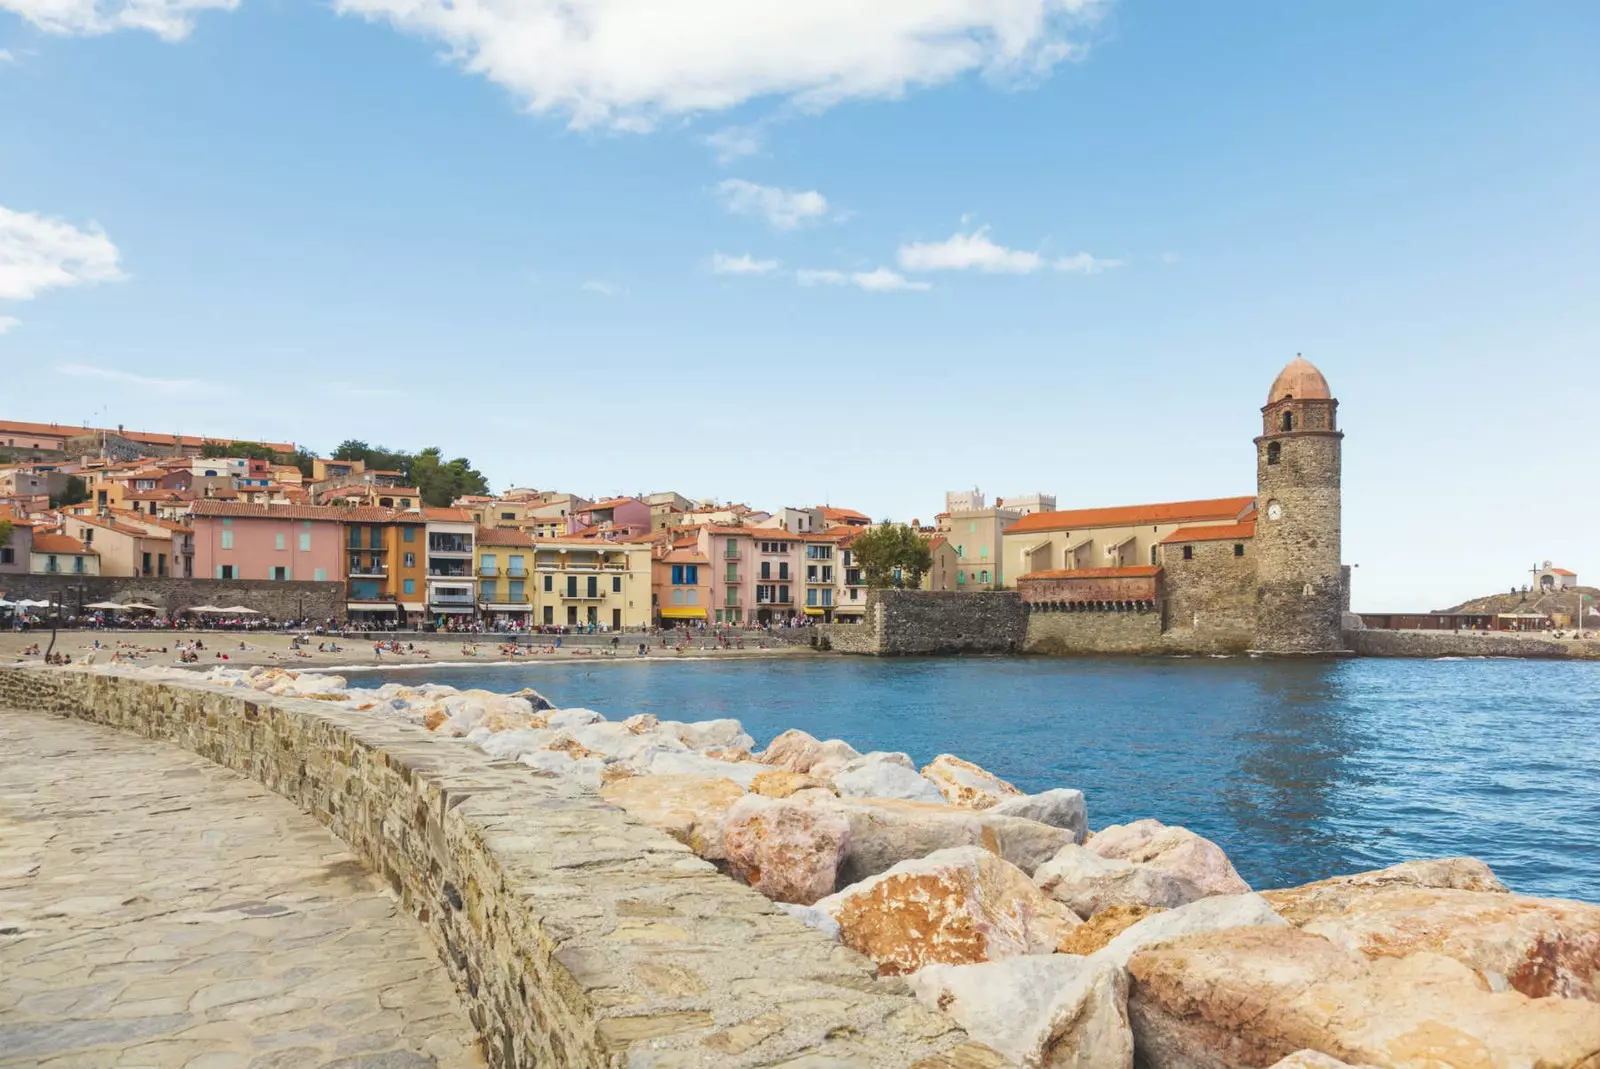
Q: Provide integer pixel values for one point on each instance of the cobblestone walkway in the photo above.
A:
(159, 911)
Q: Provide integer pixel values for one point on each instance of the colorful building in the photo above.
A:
(505, 559)
(589, 582)
(451, 561)
(233, 540)
(681, 587)
(53, 553)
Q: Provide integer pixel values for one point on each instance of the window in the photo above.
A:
(515, 593)
(227, 539)
(733, 573)
(277, 541)
(811, 597)
(409, 586)
(972, 527)
(1188, 553)
(410, 560)
(549, 583)
(783, 569)
(408, 534)
(1274, 452)
(305, 541)
(693, 596)
(616, 584)
(677, 575)
(691, 574)
(677, 597)
(783, 595)
(984, 577)
(486, 590)
(355, 538)
(225, 571)
(1238, 549)
(7, 555)
(1288, 421)
(280, 574)
(50, 564)
(827, 598)
(77, 565)
(319, 575)
(487, 564)
(514, 565)
(508, 515)
(961, 577)
(593, 586)
(983, 552)
(549, 614)
(572, 586)
(146, 562)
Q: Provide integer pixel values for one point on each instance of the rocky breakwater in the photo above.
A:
(1051, 945)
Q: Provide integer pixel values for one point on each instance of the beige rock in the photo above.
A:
(1103, 927)
(788, 851)
(1252, 996)
(781, 784)
(737, 753)
(1086, 883)
(953, 907)
(1312, 1059)
(965, 784)
(796, 751)
(1044, 1011)
(564, 743)
(1538, 946)
(434, 718)
(641, 723)
(1175, 850)
(885, 831)
(1334, 895)
(1214, 914)
(688, 808)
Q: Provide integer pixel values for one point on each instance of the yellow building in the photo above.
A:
(1120, 537)
(578, 582)
(505, 575)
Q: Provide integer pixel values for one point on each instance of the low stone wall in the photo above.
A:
(1064, 633)
(281, 601)
(920, 622)
(577, 936)
(1383, 643)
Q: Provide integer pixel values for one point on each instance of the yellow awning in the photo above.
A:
(683, 612)
(814, 611)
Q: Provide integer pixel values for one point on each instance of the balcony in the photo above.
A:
(488, 569)
(450, 597)
(359, 571)
(730, 554)
(774, 601)
(584, 595)
(449, 546)
(517, 573)
(449, 573)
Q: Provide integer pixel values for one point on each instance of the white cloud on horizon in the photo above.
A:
(880, 280)
(170, 20)
(9, 322)
(723, 264)
(783, 209)
(627, 64)
(960, 252)
(1084, 264)
(38, 253)
(1170, 258)
(148, 382)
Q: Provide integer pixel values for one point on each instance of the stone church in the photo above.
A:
(1226, 575)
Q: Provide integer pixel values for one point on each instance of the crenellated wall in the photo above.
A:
(576, 936)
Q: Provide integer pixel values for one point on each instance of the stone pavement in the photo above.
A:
(157, 910)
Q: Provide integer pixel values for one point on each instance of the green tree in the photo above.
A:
(441, 482)
(303, 459)
(892, 555)
(75, 492)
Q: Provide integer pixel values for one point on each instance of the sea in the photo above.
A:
(1298, 769)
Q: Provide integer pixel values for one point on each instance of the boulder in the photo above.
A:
(509, 745)
(1176, 850)
(641, 722)
(1214, 914)
(881, 776)
(537, 702)
(776, 783)
(1252, 996)
(1103, 927)
(1042, 1011)
(567, 719)
(965, 784)
(796, 751)
(1538, 946)
(1060, 807)
(953, 907)
(722, 734)
(549, 762)
(884, 832)
(1325, 897)
(1086, 883)
(688, 808)
(688, 763)
(788, 851)
(1312, 1059)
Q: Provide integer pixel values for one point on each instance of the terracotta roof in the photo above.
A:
(1227, 532)
(1299, 379)
(211, 507)
(503, 536)
(835, 515)
(448, 515)
(613, 503)
(936, 541)
(1137, 571)
(686, 556)
(51, 542)
(112, 525)
(1220, 509)
(1562, 571)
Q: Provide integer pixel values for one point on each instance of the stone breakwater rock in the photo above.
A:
(713, 735)
(884, 775)
(1312, 1059)
(1100, 929)
(885, 832)
(776, 783)
(1042, 1011)
(1334, 895)
(1086, 883)
(1251, 996)
(1061, 807)
(1174, 850)
(1214, 914)
(688, 808)
(953, 907)
(689, 763)
(795, 751)
(965, 784)
(788, 851)
(1537, 946)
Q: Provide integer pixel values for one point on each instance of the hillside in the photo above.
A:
(1564, 601)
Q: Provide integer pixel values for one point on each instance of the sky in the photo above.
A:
(835, 252)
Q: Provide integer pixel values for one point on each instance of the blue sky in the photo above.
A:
(857, 253)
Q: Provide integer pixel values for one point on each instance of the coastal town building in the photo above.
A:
(505, 570)
(1546, 577)
(16, 548)
(977, 536)
(234, 540)
(682, 586)
(53, 553)
(451, 558)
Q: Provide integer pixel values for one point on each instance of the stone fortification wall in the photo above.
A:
(1089, 631)
(281, 601)
(577, 936)
(1378, 643)
(913, 622)
(1210, 599)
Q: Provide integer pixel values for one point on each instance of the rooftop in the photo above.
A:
(1137, 571)
(1299, 379)
(1217, 510)
(54, 542)
(1227, 532)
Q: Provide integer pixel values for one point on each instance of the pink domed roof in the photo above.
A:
(1300, 379)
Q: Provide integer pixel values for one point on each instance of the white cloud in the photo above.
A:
(735, 142)
(1169, 258)
(881, 280)
(600, 286)
(38, 253)
(783, 209)
(170, 20)
(628, 63)
(147, 382)
(1084, 264)
(8, 322)
(723, 264)
(961, 252)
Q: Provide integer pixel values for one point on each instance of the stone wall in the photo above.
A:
(1209, 600)
(1300, 577)
(281, 601)
(1383, 643)
(1089, 631)
(916, 622)
(576, 936)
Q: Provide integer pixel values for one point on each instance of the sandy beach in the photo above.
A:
(272, 647)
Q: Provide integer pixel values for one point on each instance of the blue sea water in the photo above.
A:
(1300, 770)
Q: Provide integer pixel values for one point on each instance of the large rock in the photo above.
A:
(657, 762)
(1060, 807)
(953, 907)
(796, 751)
(965, 784)
(1086, 883)
(1042, 1011)
(884, 832)
(1538, 946)
(1251, 996)
(1311, 1059)
(1176, 850)
(1333, 895)
(725, 734)
(688, 808)
(882, 776)
(788, 851)
(567, 719)
(1100, 929)
(777, 783)
(1214, 914)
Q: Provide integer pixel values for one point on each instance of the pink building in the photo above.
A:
(234, 540)
(757, 574)
(620, 517)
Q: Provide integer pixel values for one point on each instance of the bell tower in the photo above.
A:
(1300, 581)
